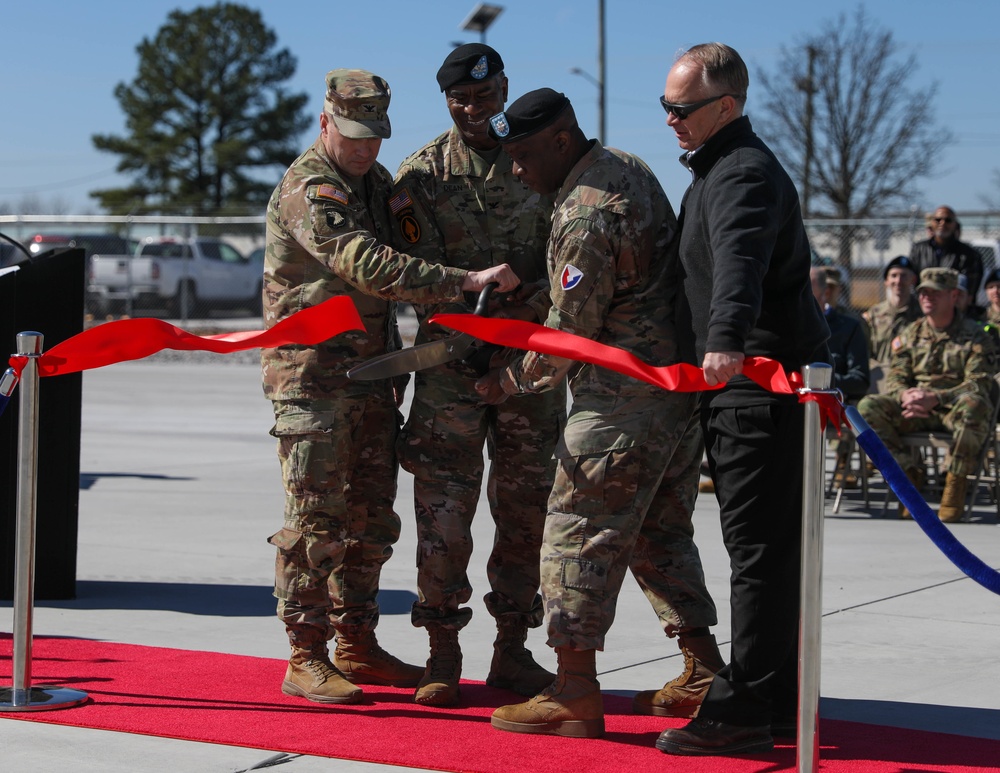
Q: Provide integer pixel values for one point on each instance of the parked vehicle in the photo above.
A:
(174, 274)
(90, 242)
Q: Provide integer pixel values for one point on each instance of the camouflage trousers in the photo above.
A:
(339, 471)
(967, 420)
(441, 444)
(623, 497)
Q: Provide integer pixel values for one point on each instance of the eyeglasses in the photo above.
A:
(681, 112)
(943, 219)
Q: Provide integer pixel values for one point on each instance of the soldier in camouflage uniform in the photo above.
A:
(628, 460)
(457, 200)
(941, 378)
(900, 307)
(326, 222)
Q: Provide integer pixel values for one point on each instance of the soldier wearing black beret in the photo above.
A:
(612, 268)
(471, 63)
(456, 200)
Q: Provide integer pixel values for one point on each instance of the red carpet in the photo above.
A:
(236, 700)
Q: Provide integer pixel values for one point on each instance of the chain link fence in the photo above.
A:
(860, 249)
(210, 267)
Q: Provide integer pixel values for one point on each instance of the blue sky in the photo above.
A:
(60, 61)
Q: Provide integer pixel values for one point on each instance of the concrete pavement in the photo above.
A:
(180, 487)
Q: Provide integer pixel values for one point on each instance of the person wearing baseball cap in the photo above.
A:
(941, 378)
(456, 200)
(887, 317)
(327, 228)
(629, 456)
(358, 103)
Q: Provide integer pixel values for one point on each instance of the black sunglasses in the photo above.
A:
(681, 112)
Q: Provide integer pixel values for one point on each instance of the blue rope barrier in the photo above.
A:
(957, 553)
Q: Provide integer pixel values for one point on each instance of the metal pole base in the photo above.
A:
(40, 698)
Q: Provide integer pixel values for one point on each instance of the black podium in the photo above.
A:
(45, 294)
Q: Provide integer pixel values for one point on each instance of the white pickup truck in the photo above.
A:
(183, 276)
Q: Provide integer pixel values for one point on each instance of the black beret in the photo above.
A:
(993, 276)
(900, 261)
(470, 63)
(527, 115)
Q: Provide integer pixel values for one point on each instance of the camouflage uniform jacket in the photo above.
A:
(452, 205)
(953, 362)
(884, 322)
(612, 261)
(324, 239)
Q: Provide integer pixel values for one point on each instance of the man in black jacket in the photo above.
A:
(745, 260)
(944, 249)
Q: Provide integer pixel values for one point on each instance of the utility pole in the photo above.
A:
(808, 85)
(601, 125)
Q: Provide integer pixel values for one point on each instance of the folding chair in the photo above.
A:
(832, 487)
(932, 446)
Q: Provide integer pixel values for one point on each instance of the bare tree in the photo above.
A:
(840, 112)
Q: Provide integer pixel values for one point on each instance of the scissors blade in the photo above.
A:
(414, 358)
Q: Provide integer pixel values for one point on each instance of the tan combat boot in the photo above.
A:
(312, 676)
(513, 667)
(916, 476)
(681, 697)
(570, 706)
(952, 499)
(439, 684)
(362, 661)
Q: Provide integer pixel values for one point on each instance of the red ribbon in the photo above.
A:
(133, 339)
(682, 377)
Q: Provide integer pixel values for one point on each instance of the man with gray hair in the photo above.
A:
(327, 224)
(745, 292)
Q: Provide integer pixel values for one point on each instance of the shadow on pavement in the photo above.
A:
(196, 599)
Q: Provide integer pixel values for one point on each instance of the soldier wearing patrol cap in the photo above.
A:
(628, 458)
(899, 308)
(941, 378)
(457, 201)
(327, 228)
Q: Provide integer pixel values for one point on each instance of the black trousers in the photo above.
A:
(755, 456)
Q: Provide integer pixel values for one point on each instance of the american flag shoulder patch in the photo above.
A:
(400, 201)
(330, 192)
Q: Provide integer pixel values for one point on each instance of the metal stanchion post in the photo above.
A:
(816, 378)
(22, 696)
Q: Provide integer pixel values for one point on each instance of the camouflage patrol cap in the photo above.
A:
(471, 63)
(938, 279)
(358, 102)
(528, 114)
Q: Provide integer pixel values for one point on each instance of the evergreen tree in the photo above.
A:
(210, 126)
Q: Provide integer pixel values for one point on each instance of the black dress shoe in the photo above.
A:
(784, 727)
(703, 736)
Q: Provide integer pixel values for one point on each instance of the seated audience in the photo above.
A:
(885, 319)
(992, 287)
(941, 378)
(849, 349)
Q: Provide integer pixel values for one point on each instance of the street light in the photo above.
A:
(600, 99)
(482, 16)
